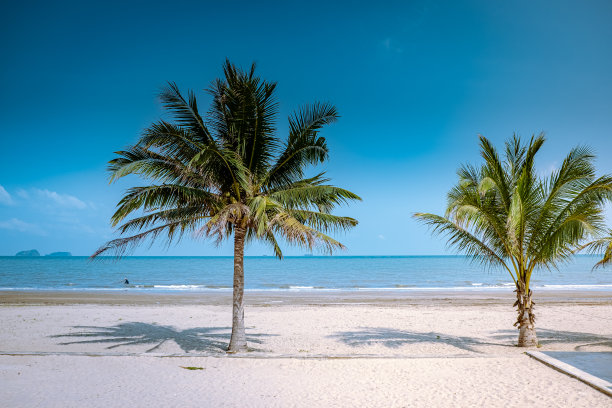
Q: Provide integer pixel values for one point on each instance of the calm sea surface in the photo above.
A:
(292, 273)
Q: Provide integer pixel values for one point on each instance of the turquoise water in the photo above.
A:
(292, 273)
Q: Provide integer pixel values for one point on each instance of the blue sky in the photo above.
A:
(414, 82)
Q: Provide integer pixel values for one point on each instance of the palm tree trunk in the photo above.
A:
(238, 340)
(526, 317)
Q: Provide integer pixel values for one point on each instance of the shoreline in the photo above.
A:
(302, 297)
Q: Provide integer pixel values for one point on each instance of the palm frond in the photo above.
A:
(304, 145)
(224, 166)
(152, 165)
(322, 197)
(586, 206)
(601, 246)
(185, 112)
(172, 140)
(323, 221)
(574, 175)
(494, 169)
(299, 234)
(244, 114)
(462, 240)
(121, 246)
(164, 196)
(195, 215)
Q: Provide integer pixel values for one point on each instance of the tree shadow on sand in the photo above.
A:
(198, 339)
(546, 336)
(393, 338)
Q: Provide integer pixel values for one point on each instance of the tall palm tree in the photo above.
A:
(503, 214)
(230, 175)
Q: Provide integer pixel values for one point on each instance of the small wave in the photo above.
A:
(438, 288)
(314, 288)
(569, 287)
(179, 287)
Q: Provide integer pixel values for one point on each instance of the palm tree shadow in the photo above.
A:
(198, 339)
(393, 338)
(546, 336)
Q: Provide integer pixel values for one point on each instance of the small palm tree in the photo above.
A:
(503, 214)
(230, 175)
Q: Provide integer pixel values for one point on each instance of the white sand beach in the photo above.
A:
(306, 204)
(351, 350)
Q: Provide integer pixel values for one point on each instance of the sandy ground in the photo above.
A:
(354, 350)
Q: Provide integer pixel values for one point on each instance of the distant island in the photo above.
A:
(34, 252)
(59, 254)
(31, 252)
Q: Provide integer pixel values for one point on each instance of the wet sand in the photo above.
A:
(374, 297)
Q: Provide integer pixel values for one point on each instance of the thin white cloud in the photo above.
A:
(23, 194)
(15, 224)
(391, 45)
(5, 197)
(381, 236)
(72, 223)
(62, 200)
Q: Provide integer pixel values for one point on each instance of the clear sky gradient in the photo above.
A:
(415, 83)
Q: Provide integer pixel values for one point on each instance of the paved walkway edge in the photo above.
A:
(257, 355)
(595, 382)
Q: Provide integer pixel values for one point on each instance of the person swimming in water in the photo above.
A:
(126, 281)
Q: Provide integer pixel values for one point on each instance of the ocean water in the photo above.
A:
(291, 274)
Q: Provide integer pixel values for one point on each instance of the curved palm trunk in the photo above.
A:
(238, 340)
(526, 317)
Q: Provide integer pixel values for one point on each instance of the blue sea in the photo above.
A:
(308, 273)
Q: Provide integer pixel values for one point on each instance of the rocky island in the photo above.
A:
(59, 254)
(31, 252)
